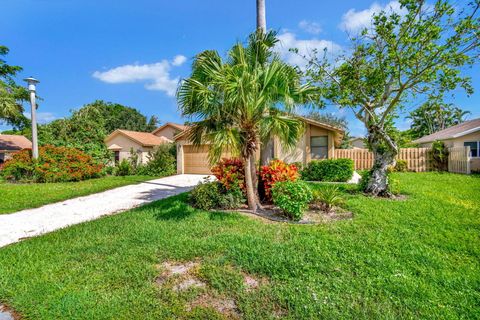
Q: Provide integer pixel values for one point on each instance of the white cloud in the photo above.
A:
(42, 117)
(310, 26)
(353, 20)
(179, 60)
(157, 75)
(288, 40)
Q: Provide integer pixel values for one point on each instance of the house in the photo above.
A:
(10, 143)
(318, 142)
(466, 134)
(357, 143)
(122, 142)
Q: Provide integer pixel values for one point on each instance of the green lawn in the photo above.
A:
(16, 197)
(418, 258)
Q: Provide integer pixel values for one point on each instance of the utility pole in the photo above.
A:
(31, 87)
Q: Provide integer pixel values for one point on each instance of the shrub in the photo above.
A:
(124, 168)
(292, 197)
(327, 197)
(401, 166)
(161, 161)
(230, 173)
(277, 171)
(205, 195)
(439, 154)
(333, 170)
(54, 164)
(211, 195)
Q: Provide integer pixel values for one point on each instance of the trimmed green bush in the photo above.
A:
(292, 197)
(333, 170)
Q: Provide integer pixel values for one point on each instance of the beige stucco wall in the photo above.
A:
(301, 153)
(167, 132)
(127, 144)
(358, 144)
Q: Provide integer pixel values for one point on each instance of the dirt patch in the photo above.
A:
(181, 270)
(188, 283)
(7, 313)
(223, 305)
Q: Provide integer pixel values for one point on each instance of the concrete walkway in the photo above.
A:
(33, 222)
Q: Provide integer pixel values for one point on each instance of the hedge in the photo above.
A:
(333, 170)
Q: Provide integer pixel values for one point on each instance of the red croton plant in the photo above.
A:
(230, 173)
(277, 171)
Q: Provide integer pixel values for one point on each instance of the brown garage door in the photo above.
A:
(195, 159)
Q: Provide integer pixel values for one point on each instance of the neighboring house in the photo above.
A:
(10, 143)
(123, 142)
(357, 143)
(318, 142)
(169, 130)
(462, 135)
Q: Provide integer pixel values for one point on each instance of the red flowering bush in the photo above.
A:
(230, 173)
(277, 171)
(54, 164)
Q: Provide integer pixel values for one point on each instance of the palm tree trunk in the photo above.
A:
(261, 20)
(251, 199)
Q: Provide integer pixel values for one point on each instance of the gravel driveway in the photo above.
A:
(33, 222)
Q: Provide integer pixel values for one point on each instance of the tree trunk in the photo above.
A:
(261, 20)
(253, 170)
(251, 198)
(384, 155)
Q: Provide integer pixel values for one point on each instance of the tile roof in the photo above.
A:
(14, 142)
(146, 139)
(177, 126)
(452, 132)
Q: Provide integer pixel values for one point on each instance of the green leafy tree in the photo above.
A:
(234, 102)
(421, 52)
(11, 94)
(88, 126)
(434, 116)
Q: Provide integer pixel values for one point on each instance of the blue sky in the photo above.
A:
(135, 52)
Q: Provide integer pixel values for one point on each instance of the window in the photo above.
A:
(117, 156)
(474, 146)
(319, 147)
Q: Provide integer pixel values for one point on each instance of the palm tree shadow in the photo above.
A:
(173, 208)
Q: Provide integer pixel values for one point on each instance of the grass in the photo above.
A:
(415, 258)
(15, 197)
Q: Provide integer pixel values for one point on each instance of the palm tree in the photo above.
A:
(235, 103)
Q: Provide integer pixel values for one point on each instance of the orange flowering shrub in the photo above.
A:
(230, 173)
(54, 164)
(277, 171)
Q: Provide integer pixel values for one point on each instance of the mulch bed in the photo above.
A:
(312, 216)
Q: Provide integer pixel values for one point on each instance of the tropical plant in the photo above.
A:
(327, 197)
(212, 195)
(55, 164)
(230, 173)
(418, 53)
(439, 153)
(124, 168)
(434, 116)
(276, 171)
(292, 197)
(235, 102)
(11, 94)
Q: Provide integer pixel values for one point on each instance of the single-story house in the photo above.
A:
(10, 143)
(462, 135)
(169, 130)
(122, 142)
(357, 143)
(318, 142)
